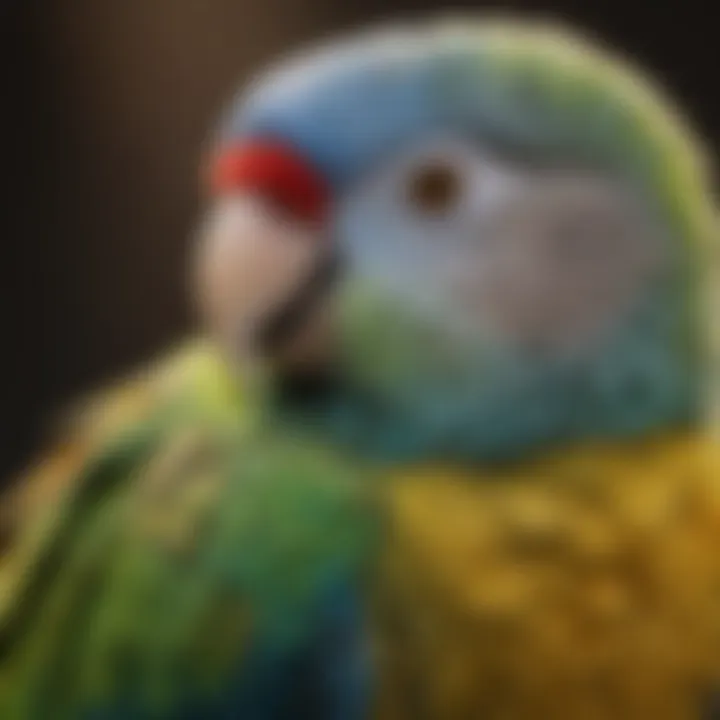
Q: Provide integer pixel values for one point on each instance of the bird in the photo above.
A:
(443, 446)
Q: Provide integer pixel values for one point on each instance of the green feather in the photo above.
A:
(187, 532)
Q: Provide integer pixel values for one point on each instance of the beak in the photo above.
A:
(251, 263)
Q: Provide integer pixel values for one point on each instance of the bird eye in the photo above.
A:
(434, 188)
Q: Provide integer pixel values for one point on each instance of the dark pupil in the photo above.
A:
(434, 188)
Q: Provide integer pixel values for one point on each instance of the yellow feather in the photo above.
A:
(586, 585)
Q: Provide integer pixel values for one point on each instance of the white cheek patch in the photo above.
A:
(545, 260)
(391, 242)
(565, 264)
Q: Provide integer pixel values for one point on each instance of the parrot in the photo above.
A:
(443, 446)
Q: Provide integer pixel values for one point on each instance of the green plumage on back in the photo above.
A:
(192, 533)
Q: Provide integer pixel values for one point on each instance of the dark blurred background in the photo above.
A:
(104, 108)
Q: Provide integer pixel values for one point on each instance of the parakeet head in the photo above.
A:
(503, 227)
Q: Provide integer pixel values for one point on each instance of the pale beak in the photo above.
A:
(250, 264)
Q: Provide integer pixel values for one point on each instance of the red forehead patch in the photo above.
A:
(274, 171)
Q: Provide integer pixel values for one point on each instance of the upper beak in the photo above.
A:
(250, 262)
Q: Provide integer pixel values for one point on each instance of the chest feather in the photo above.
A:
(585, 586)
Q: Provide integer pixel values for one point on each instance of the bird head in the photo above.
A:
(495, 231)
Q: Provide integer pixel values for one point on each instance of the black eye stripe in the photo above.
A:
(290, 315)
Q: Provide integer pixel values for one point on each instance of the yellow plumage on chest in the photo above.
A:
(583, 586)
